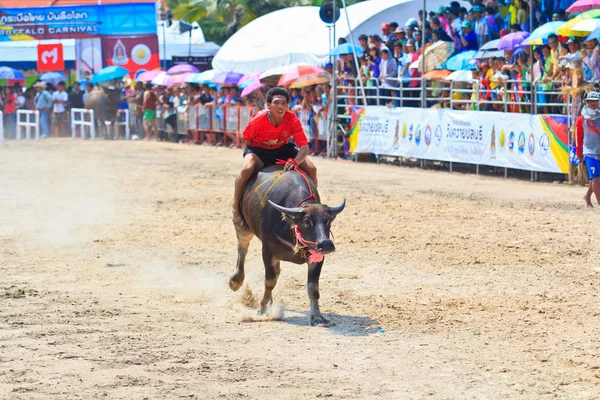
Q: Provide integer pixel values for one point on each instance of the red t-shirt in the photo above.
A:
(9, 104)
(260, 132)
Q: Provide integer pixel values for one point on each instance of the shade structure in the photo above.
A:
(296, 71)
(540, 35)
(180, 79)
(566, 28)
(148, 75)
(512, 40)
(460, 61)
(437, 74)
(53, 77)
(435, 56)
(584, 5)
(463, 75)
(181, 68)
(227, 78)
(109, 73)
(162, 79)
(202, 77)
(255, 85)
(309, 80)
(346, 48)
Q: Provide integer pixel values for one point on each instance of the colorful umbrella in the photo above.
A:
(181, 68)
(540, 35)
(346, 48)
(53, 77)
(566, 28)
(11, 74)
(512, 40)
(255, 85)
(435, 56)
(594, 35)
(583, 28)
(271, 76)
(180, 79)
(460, 61)
(109, 73)
(482, 55)
(583, 5)
(437, 74)
(491, 45)
(309, 80)
(296, 71)
(202, 77)
(162, 79)
(227, 78)
(148, 75)
(463, 75)
(247, 79)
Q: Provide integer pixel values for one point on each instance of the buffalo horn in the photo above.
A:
(292, 212)
(338, 209)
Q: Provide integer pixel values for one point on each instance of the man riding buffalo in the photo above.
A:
(272, 134)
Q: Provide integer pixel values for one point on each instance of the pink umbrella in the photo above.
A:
(162, 79)
(583, 5)
(296, 71)
(149, 75)
(181, 68)
(180, 78)
(255, 85)
(247, 77)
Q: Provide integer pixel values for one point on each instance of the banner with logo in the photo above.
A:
(134, 54)
(50, 57)
(519, 141)
(77, 22)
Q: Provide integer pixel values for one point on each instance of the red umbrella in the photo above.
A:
(296, 71)
(583, 5)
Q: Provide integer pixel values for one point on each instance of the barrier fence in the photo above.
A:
(122, 120)
(24, 120)
(82, 118)
(1, 127)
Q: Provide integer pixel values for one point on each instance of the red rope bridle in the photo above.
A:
(314, 255)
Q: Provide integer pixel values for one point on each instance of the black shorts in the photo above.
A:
(270, 157)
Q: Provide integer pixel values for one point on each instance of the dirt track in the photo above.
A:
(115, 257)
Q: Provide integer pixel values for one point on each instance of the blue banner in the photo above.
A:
(77, 22)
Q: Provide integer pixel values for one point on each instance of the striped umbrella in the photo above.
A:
(296, 71)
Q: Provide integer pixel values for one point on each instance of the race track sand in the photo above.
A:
(115, 258)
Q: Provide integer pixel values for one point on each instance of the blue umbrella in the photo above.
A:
(11, 73)
(109, 74)
(594, 35)
(540, 35)
(345, 48)
(53, 77)
(460, 61)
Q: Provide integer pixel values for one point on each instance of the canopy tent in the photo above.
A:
(22, 54)
(178, 44)
(297, 34)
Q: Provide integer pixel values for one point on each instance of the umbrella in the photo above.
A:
(271, 76)
(181, 68)
(512, 40)
(109, 73)
(11, 74)
(309, 80)
(481, 55)
(255, 85)
(227, 78)
(53, 77)
(148, 75)
(435, 56)
(296, 71)
(179, 78)
(248, 79)
(202, 77)
(437, 74)
(565, 28)
(540, 35)
(463, 75)
(460, 61)
(584, 27)
(583, 5)
(491, 45)
(346, 48)
(162, 79)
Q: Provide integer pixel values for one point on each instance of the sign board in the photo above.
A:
(77, 22)
(202, 63)
(50, 57)
(133, 54)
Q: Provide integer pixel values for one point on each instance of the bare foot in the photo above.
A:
(588, 200)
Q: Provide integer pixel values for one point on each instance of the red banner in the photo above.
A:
(50, 57)
(133, 54)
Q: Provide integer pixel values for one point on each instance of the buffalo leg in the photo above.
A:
(272, 271)
(314, 272)
(244, 237)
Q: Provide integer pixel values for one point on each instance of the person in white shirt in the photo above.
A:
(60, 99)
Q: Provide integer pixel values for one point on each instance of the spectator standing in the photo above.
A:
(468, 38)
(480, 27)
(10, 112)
(388, 72)
(150, 100)
(76, 97)
(43, 102)
(60, 100)
(385, 31)
(587, 133)
(591, 57)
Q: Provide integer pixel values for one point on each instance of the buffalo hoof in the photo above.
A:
(320, 321)
(235, 283)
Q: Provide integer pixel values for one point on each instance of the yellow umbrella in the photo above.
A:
(309, 80)
(435, 56)
(566, 29)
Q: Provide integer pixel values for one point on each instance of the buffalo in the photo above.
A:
(283, 209)
(105, 103)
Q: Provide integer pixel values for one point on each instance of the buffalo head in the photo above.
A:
(313, 222)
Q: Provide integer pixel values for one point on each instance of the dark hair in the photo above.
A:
(148, 85)
(454, 4)
(363, 37)
(61, 83)
(278, 91)
(386, 51)
(435, 20)
(462, 10)
(341, 40)
(393, 26)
